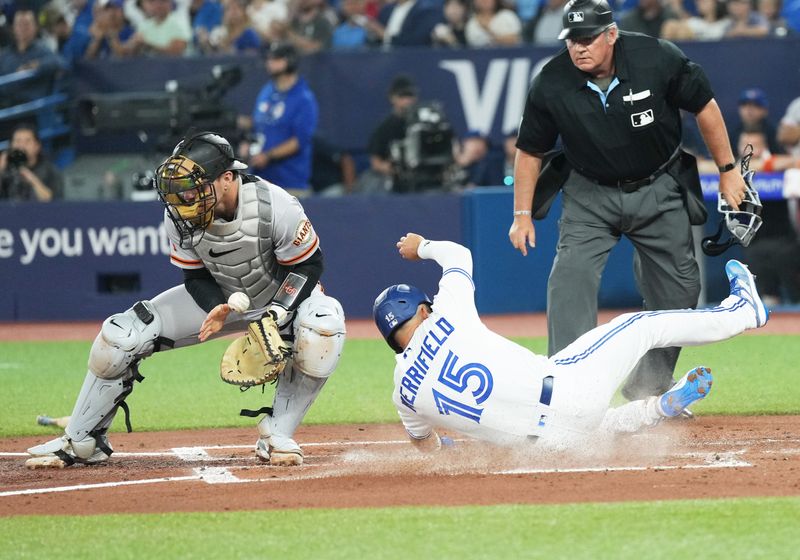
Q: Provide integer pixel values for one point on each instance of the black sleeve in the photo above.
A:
(203, 288)
(537, 129)
(689, 88)
(311, 269)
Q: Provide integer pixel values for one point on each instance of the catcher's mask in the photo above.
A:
(393, 307)
(185, 182)
(742, 223)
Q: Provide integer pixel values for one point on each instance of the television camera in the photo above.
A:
(422, 158)
(169, 112)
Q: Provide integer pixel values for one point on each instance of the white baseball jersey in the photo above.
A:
(270, 229)
(455, 373)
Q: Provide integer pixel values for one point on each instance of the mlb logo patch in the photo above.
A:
(644, 118)
(575, 17)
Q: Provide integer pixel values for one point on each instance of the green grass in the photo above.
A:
(703, 529)
(753, 375)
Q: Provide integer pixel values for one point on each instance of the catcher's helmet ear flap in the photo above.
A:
(393, 307)
(585, 18)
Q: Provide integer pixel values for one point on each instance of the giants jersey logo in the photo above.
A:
(303, 234)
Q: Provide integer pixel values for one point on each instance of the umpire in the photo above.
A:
(614, 99)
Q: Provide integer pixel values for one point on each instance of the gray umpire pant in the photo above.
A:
(668, 277)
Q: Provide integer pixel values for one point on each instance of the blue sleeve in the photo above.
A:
(209, 16)
(75, 47)
(248, 40)
(305, 121)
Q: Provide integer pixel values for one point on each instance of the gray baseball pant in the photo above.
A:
(593, 219)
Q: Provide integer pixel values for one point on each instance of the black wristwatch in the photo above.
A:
(727, 167)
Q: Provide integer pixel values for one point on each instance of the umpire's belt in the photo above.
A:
(629, 186)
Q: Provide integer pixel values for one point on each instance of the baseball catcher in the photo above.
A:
(231, 233)
(453, 372)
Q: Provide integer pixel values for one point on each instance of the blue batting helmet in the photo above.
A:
(393, 307)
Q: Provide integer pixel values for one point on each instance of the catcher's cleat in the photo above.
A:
(692, 387)
(288, 454)
(68, 452)
(285, 459)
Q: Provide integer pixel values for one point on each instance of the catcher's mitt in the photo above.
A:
(257, 357)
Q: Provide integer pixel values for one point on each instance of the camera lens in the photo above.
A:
(17, 158)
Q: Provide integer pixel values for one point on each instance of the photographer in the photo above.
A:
(382, 174)
(24, 173)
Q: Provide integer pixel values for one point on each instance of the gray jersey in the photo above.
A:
(270, 230)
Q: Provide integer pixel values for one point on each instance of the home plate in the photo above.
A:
(45, 463)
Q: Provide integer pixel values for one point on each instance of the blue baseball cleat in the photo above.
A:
(692, 387)
(743, 284)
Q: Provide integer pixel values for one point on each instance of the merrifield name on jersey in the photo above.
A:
(414, 375)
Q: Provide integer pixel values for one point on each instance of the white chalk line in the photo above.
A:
(223, 475)
(189, 450)
(98, 485)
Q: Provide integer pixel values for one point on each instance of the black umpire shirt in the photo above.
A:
(637, 131)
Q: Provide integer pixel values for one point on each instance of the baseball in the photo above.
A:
(239, 302)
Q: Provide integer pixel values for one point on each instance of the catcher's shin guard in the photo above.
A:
(294, 395)
(97, 404)
(85, 438)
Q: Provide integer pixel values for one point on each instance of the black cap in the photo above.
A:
(585, 18)
(282, 50)
(403, 86)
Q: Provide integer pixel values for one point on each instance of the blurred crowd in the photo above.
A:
(33, 31)
(413, 148)
(49, 36)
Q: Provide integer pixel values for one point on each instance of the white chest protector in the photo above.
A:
(240, 253)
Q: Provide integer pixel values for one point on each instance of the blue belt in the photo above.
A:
(544, 397)
(547, 390)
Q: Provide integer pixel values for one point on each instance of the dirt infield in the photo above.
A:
(372, 465)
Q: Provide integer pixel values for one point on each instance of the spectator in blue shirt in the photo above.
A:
(109, 31)
(283, 124)
(745, 21)
(356, 29)
(79, 36)
(205, 15)
(791, 13)
(410, 23)
(235, 35)
(28, 53)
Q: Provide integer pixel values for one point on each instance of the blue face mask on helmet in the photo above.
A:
(393, 307)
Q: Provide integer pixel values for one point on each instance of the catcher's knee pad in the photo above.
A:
(124, 337)
(319, 334)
